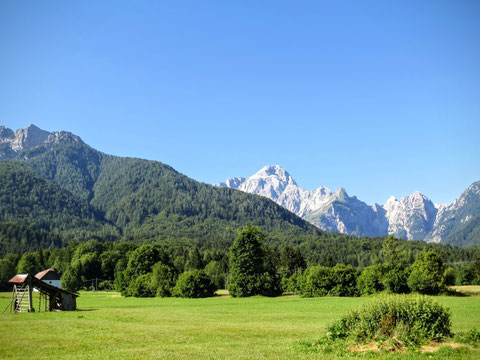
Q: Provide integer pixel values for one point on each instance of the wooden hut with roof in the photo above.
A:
(53, 297)
(51, 277)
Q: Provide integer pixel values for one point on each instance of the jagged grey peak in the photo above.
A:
(13, 143)
(233, 183)
(451, 217)
(412, 217)
(277, 184)
(348, 215)
(335, 212)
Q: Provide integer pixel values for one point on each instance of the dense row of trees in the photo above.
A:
(249, 267)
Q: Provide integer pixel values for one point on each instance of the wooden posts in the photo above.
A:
(54, 297)
(30, 305)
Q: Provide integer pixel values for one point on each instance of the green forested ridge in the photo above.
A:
(27, 198)
(67, 190)
(69, 162)
(134, 199)
(17, 238)
(467, 234)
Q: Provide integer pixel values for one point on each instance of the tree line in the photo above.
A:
(250, 266)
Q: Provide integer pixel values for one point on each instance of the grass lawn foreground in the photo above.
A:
(108, 326)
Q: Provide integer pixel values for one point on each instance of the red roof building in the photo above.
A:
(51, 277)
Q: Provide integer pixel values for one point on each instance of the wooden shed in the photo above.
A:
(51, 277)
(53, 297)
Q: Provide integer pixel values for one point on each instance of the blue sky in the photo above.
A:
(378, 97)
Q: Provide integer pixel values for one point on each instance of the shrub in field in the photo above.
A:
(395, 280)
(252, 266)
(411, 320)
(164, 278)
(471, 337)
(449, 277)
(427, 274)
(270, 284)
(71, 280)
(316, 281)
(470, 274)
(194, 284)
(291, 283)
(106, 285)
(143, 258)
(7, 271)
(370, 280)
(340, 280)
(215, 270)
(344, 279)
(142, 287)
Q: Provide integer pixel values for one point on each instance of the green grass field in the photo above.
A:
(107, 326)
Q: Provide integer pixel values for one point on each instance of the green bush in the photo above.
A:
(449, 277)
(291, 284)
(215, 270)
(341, 280)
(194, 284)
(427, 276)
(370, 280)
(142, 287)
(395, 280)
(164, 278)
(106, 285)
(71, 280)
(316, 281)
(471, 337)
(412, 320)
(344, 279)
(270, 284)
(252, 266)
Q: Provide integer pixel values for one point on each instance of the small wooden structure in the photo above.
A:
(51, 277)
(53, 297)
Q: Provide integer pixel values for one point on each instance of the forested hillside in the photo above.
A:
(29, 200)
(66, 187)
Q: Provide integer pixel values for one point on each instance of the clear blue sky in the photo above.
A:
(378, 97)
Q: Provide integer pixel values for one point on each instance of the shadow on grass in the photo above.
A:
(451, 292)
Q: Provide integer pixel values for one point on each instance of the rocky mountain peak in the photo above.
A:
(341, 194)
(31, 137)
(391, 200)
(6, 133)
(233, 183)
(275, 171)
(412, 217)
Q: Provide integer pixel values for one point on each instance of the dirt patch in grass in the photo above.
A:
(398, 347)
(433, 347)
(390, 346)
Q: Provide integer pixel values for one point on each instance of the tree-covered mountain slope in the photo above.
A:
(27, 198)
(145, 199)
(467, 234)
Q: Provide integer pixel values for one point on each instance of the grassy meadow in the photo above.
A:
(108, 326)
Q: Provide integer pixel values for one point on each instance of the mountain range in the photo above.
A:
(54, 182)
(412, 217)
(54, 188)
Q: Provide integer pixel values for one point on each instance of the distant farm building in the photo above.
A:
(51, 277)
(53, 298)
